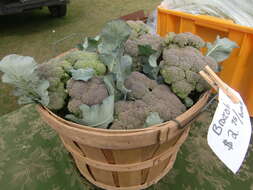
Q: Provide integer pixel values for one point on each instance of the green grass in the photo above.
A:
(34, 33)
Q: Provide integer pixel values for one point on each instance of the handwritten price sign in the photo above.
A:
(230, 131)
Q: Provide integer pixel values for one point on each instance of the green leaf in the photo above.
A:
(33, 93)
(16, 67)
(153, 60)
(145, 50)
(110, 60)
(91, 44)
(122, 71)
(42, 92)
(151, 72)
(149, 60)
(82, 74)
(19, 71)
(108, 80)
(113, 37)
(114, 34)
(111, 52)
(220, 49)
(153, 119)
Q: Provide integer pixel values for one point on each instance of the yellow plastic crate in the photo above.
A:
(237, 70)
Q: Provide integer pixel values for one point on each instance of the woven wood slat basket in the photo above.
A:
(124, 159)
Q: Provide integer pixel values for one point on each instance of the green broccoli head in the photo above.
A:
(73, 56)
(183, 40)
(147, 96)
(90, 60)
(182, 88)
(180, 69)
(57, 77)
(91, 92)
(57, 97)
(66, 66)
(138, 28)
(171, 74)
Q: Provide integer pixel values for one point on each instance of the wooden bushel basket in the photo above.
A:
(124, 159)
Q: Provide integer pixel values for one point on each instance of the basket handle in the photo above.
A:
(209, 75)
(55, 45)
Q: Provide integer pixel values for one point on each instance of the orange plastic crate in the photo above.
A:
(237, 70)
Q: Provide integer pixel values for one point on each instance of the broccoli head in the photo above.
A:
(138, 28)
(147, 96)
(78, 59)
(90, 60)
(139, 85)
(66, 66)
(183, 40)
(130, 114)
(132, 48)
(73, 56)
(91, 92)
(180, 69)
(131, 45)
(56, 76)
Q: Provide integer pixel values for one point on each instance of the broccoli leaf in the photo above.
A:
(111, 50)
(151, 72)
(91, 44)
(122, 70)
(113, 37)
(82, 74)
(145, 50)
(220, 49)
(149, 60)
(17, 67)
(108, 80)
(114, 34)
(19, 71)
(153, 119)
(153, 59)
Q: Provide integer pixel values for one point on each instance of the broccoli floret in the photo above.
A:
(138, 28)
(182, 88)
(172, 74)
(181, 40)
(188, 102)
(90, 60)
(67, 66)
(57, 97)
(164, 102)
(130, 115)
(82, 60)
(139, 85)
(90, 93)
(180, 69)
(147, 96)
(57, 77)
(73, 56)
